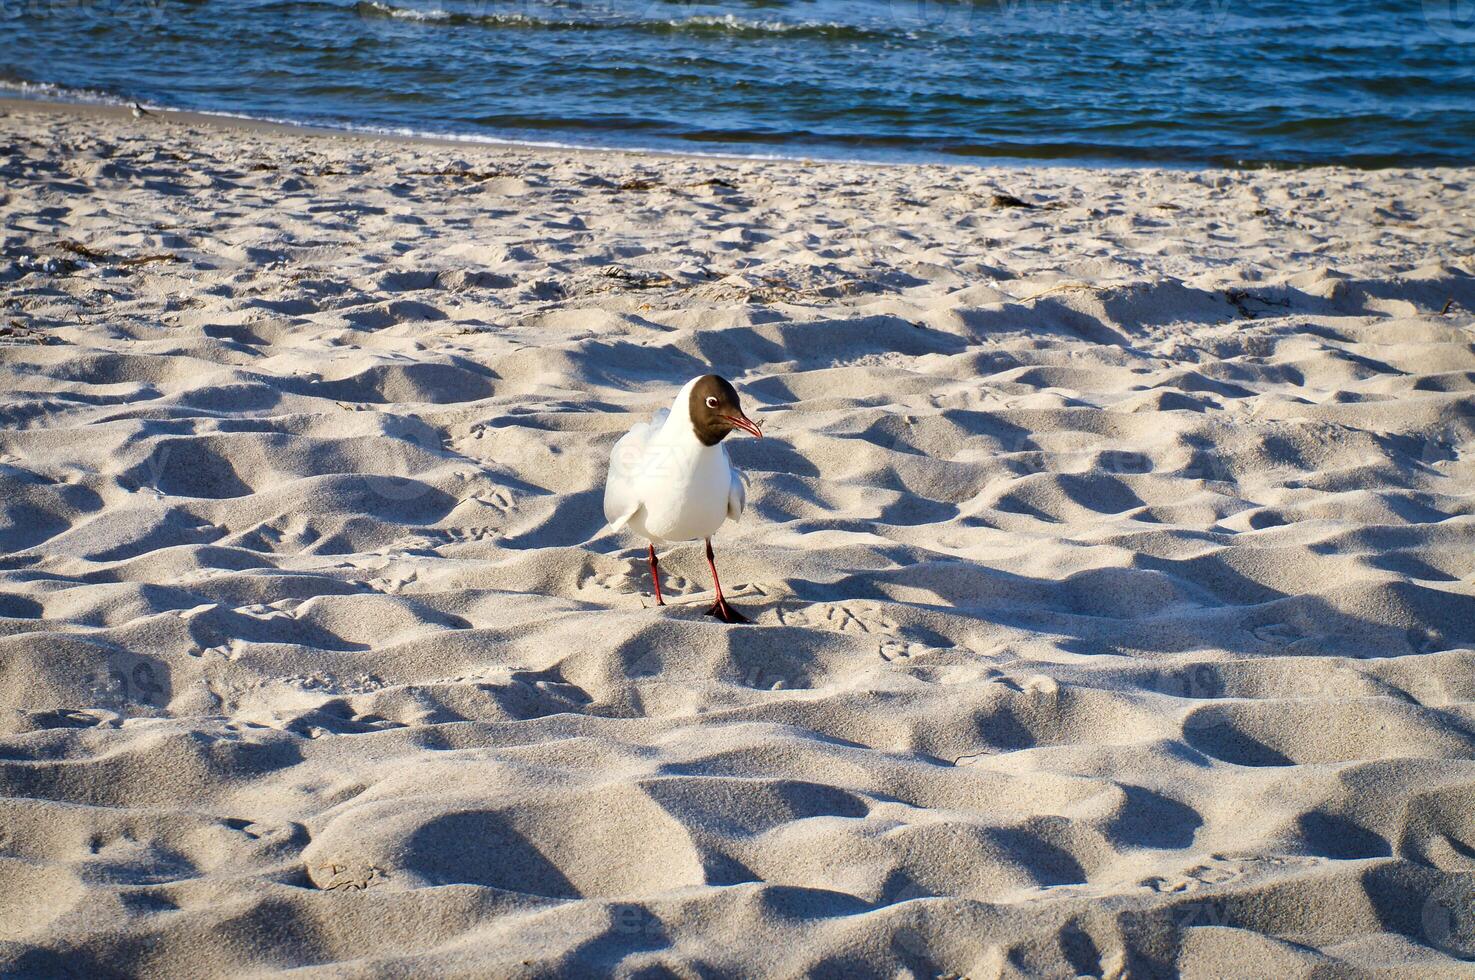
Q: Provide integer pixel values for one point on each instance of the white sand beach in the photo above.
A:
(1111, 557)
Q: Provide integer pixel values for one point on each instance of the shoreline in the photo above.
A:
(112, 108)
(225, 120)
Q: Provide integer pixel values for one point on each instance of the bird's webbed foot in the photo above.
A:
(726, 613)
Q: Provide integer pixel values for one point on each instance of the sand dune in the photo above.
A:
(1111, 562)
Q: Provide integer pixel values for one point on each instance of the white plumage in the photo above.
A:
(665, 485)
(670, 479)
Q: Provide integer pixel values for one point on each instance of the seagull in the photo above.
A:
(139, 111)
(670, 478)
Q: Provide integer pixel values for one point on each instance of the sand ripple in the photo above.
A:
(1111, 560)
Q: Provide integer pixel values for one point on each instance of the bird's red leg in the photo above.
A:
(720, 608)
(655, 575)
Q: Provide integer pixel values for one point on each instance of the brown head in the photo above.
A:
(715, 410)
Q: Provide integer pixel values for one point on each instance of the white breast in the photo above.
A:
(684, 488)
(665, 485)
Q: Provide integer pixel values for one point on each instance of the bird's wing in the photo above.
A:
(627, 459)
(621, 500)
(623, 518)
(737, 491)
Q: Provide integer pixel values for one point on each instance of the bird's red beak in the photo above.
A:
(746, 424)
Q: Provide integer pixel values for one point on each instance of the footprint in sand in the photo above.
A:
(346, 877)
(281, 609)
(499, 500)
(463, 535)
(1218, 870)
(637, 581)
(851, 617)
(426, 541)
(1279, 634)
(609, 581)
(895, 650)
(393, 584)
(1213, 872)
(225, 651)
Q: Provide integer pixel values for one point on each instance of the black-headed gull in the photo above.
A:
(670, 478)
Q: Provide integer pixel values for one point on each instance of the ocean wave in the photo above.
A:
(49, 91)
(729, 25)
(778, 77)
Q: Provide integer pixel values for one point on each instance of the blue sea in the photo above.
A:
(1178, 82)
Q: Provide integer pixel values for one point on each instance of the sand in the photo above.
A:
(1110, 554)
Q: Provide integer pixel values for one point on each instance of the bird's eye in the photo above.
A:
(711, 402)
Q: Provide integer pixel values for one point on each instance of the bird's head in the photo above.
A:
(716, 410)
